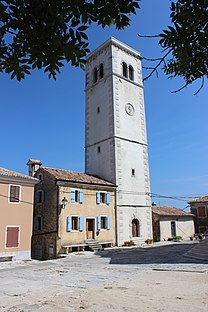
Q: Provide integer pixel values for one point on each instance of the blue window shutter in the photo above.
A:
(43, 196)
(68, 224)
(99, 222)
(80, 197)
(108, 198)
(108, 223)
(72, 196)
(81, 223)
(98, 198)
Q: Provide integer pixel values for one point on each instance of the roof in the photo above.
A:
(117, 43)
(72, 176)
(34, 162)
(5, 173)
(169, 211)
(199, 200)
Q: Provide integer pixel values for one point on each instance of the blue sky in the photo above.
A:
(44, 119)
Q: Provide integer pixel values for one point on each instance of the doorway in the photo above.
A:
(135, 228)
(90, 228)
(173, 228)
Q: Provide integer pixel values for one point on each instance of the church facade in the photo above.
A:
(115, 135)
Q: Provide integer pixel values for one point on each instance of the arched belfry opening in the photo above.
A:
(135, 228)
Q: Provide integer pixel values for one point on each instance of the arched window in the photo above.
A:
(95, 75)
(135, 228)
(125, 72)
(101, 71)
(131, 72)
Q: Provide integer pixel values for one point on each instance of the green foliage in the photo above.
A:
(187, 40)
(44, 34)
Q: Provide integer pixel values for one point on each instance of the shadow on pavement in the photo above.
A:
(173, 253)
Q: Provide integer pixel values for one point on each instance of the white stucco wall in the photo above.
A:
(184, 227)
(121, 137)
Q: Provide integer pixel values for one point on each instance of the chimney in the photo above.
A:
(33, 166)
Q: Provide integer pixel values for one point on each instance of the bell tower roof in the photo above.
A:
(117, 43)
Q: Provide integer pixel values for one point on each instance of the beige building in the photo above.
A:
(199, 207)
(170, 221)
(16, 212)
(73, 211)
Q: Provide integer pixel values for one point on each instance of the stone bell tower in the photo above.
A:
(115, 134)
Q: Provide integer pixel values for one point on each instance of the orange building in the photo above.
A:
(16, 214)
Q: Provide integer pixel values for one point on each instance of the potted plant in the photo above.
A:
(148, 241)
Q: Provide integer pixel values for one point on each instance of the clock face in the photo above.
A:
(129, 109)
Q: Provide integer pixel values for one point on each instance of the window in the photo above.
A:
(131, 73)
(125, 73)
(12, 236)
(76, 196)
(39, 196)
(98, 109)
(95, 75)
(101, 71)
(40, 177)
(103, 198)
(201, 212)
(97, 72)
(75, 223)
(14, 194)
(103, 223)
(98, 149)
(39, 223)
(133, 172)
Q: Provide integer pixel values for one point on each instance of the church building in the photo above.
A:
(115, 135)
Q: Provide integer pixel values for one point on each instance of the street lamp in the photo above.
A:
(64, 202)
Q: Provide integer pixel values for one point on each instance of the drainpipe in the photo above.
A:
(116, 226)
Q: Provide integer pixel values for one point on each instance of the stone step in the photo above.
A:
(93, 245)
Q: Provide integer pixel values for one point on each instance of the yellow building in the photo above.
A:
(16, 213)
(73, 211)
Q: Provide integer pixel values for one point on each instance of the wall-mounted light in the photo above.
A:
(64, 202)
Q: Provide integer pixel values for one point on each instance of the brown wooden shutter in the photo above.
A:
(201, 212)
(12, 236)
(14, 193)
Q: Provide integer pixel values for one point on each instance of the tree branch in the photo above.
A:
(143, 36)
(151, 60)
(155, 68)
(202, 84)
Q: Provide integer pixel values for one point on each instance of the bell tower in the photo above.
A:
(115, 134)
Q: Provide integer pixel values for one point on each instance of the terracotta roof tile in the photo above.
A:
(169, 211)
(199, 200)
(12, 174)
(72, 176)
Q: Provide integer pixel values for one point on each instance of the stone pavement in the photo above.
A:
(46, 279)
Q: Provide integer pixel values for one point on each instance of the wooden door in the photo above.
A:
(90, 228)
(135, 228)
